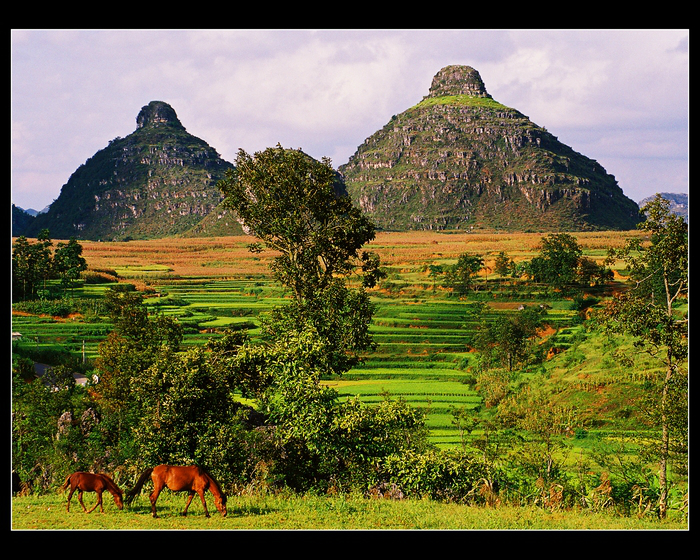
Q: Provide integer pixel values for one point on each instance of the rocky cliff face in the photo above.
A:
(461, 160)
(158, 181)
(678, 203)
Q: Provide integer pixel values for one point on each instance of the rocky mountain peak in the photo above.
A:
(459, 160)
(458, 80)
(156, 182)
(157, 113)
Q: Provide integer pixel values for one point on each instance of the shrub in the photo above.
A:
(53, 307)
(452, 475)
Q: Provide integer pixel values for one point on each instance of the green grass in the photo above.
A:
(291, 512)
(466, 100)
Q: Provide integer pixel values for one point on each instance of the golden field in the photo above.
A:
(222, 257)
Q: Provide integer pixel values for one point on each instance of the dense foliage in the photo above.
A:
(33, 264)
(652, 315)
(257, 413)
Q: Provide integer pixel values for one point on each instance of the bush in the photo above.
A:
(53, 307)
(452, 475)
(101, 276)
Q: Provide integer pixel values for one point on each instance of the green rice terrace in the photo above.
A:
(423, 332)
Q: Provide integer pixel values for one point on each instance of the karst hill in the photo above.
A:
(460, 160)
(158, 181)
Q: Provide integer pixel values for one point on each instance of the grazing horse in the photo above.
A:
(192, 479)
(91, 482)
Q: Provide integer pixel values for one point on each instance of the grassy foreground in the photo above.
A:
(311, 513)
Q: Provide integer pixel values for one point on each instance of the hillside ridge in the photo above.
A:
(158, 181)
(456, 160)
(460, 160)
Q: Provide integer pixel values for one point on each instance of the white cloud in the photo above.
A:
(623, 95)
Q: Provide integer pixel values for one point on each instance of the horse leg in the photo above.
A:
(204, 503)
(80, 499)
(98, 503)
(70, 495)
(154, 497)
(190, 495)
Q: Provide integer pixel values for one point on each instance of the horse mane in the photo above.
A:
(111, 485)
(213, 481)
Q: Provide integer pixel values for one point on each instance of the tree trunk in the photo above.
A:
(663, 460)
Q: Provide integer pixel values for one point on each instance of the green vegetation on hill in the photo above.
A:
(460, 160)
(158, 181)
(466, 100)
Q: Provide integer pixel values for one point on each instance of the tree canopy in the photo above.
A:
(298, 206)
(655, 314)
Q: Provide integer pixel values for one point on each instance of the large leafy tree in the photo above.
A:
(655, 313)
(561, 264)
(297, 206)
(32, 265)
(326, 441)
(69, 262)
(507, 339)
(461, 275)
(131, 348)
(185, 406)
(24, 269)
(558, 260)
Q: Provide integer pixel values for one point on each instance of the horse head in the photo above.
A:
(114, 490)
(118, 500)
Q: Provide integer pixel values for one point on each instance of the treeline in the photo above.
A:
(256, 413)
(560, 265)
(34, 264)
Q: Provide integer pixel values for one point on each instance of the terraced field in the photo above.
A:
(421, 330)
(420, 345)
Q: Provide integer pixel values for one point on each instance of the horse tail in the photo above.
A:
(66, 483)
(139, 484)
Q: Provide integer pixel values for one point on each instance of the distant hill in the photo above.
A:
(457, 160)
(159, 181)
(461, 160)
(21, 220)
(679, 203)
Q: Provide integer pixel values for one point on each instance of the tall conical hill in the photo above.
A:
(461, 160)
(156, 182)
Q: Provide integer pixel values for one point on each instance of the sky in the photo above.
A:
(620, 97)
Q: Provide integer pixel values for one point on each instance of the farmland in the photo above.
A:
(423, 352)
(421, 330)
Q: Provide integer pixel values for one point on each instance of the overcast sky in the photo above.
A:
(617, 96)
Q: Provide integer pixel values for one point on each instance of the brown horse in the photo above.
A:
(192, 479)
(91, 482)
